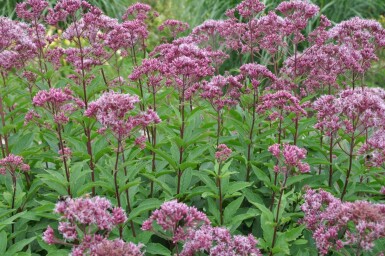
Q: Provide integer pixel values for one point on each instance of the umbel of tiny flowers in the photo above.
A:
(115, 112)
(174, 26)
(86, 224)
(256, 74)
(355, 112)
(289, 158)
(223, 153)
(58, 103)
(16, 47)
(11, 164)
(292, 157)
(217, 241)
(374, 149)
(336, 224)
(173, 221)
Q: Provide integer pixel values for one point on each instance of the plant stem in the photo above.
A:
(153, 141)
(276, 173)
(67, 172)
(128, 199)
(13, 201)
(331, 161)
(116, 183)
(349, 168)
(249, 146)
(277, 213)
(219, 184)
(181, 133)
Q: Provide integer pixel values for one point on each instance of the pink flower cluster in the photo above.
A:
(291, 155)
(82, 219)
(374, 147)
(256, 72)
(153, 70)
(176, 220)
(218, 241)
(352, 109)
(175, 27)
(336, 224)
(113, 111)
(16, 46)
(280, 103)
(60, 103)
(186, 65)
(181, 223)
(223, 153)
(222, 91)
(11, 163)
(31, 9)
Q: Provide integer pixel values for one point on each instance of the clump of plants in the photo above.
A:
(252, 135)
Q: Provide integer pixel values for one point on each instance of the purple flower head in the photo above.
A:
(31, 9)
(49, 236)
(374, 149)
(65, 8)
(113, 111)
(138, 11)
(176, 220)
(60, 103)
(16, 45)
(280, 103)
(174, 26)
(218, 241)
(11, 163)
(255, 73)
(297, 13)
(186, 64)
(223, 153)
(250, 8)
(116, 247)
(222, 91)
(360, 222)
(291, 155)
(153, 70)
(94, 211)
(126, 35)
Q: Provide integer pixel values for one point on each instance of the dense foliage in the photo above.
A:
(252, 135)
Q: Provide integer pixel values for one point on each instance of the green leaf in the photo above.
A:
(17, 247)
(129, 185)
(293, 234)
(3, 242)
(145, 206)
(231, 209)
(157, 249)
(236, 186)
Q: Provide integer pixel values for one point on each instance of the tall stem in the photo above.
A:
(276, 173)
(13, 200)
(277, 213)
(181, 133)
(295, 131)
(153, 141)
(349, 168)
(116, 183)
(66, 169)
(128, 199)
(249, 146)
(2, 115)
(219, 183)
(87, 129)
(331, 161)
